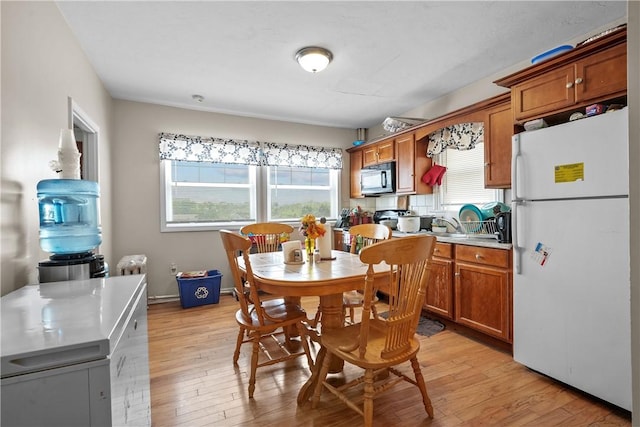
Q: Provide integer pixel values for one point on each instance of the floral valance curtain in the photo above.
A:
(462, 136)
(301, 156)
(218, 150)
(201, 149)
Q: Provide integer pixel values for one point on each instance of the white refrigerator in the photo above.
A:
(571, 282)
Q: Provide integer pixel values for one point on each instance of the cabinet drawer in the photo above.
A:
(443, 250)
(485, 256)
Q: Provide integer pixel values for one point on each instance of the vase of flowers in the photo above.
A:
(311, 230)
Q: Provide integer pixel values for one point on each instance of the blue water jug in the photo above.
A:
(68, 215)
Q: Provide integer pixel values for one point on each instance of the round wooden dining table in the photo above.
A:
(327, 279)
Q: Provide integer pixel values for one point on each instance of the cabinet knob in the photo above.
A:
(457, 274)
(486, 165)
(478, 257)
(569, 85)
(579, 80)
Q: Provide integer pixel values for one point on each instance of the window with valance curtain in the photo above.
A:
(460, 148)
(213, 182)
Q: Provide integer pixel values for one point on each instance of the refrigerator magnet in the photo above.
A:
(541, 254)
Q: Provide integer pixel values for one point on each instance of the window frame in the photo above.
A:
(259, 194)
(453, 209)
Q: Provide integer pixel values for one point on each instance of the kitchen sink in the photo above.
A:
(449, 235)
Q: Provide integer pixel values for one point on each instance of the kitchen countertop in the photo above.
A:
(468, 240)
(471, 241)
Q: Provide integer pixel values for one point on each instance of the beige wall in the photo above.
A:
(42, 65)
(136, 202)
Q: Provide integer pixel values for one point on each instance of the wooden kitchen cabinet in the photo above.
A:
(591, 73)
(483, 286)
(498, 132)
(405, 163)
(380, 152)
(439, 296)
(355, 161)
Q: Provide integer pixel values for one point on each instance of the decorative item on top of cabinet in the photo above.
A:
(591, 73)
(355, 161)
(483, 290)
(380, 152)
(439, 297)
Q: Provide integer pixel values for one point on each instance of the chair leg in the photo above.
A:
(304, 339)
(422, 386)
(236, 354)
(352, 314)
(368, 397)
(374, 310)
(254, 363)
(322, 376)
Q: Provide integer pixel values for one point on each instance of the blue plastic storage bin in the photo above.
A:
(200, 290)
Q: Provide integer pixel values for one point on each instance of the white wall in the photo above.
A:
(136, 202)
(42, 65)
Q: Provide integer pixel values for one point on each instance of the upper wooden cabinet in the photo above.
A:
(356, 166)
(380, 152)
(498, 130)
(411, 163)
(591, 73)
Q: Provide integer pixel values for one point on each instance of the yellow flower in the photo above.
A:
(310, 228)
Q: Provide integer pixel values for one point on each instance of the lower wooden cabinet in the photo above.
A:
(439, 297)
(483, 290)
(472, 286)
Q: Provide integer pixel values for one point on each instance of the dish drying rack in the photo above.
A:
(483, 229)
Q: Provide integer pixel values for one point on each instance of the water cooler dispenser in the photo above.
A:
(69, 230)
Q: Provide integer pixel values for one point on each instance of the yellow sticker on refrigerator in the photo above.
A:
(569, 173)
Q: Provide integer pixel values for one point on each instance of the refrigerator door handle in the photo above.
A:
(515, 150)
(517, 256)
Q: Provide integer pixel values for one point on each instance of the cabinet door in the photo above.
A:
(543, 94)
(439, 297)
(370, 155)
(602, 75)
(405, 164)
(356, 165)
(386, 152)
(497, 147)
(482, 299)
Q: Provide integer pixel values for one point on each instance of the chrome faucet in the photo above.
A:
(457, 226)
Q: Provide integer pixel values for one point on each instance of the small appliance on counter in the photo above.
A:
(503, 225)
(69, 230)
(343, 220)
(389, 215)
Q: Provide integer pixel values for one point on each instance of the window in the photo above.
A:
(464, 180)
(211, 183)
(295, 192)
(460, 148)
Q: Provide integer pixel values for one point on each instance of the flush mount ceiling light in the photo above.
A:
(313, 59)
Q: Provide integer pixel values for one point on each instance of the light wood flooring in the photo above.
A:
(194, 382)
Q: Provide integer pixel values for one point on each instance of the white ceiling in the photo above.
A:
(389, 56)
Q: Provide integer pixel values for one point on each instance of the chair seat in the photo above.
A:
(278, 309)
(337, 339)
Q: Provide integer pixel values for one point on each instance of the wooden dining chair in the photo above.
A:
(378, 345)
(362, 236)
(262, 320)
(267, 236)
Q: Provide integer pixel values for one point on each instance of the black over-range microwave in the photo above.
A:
(378, 179)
